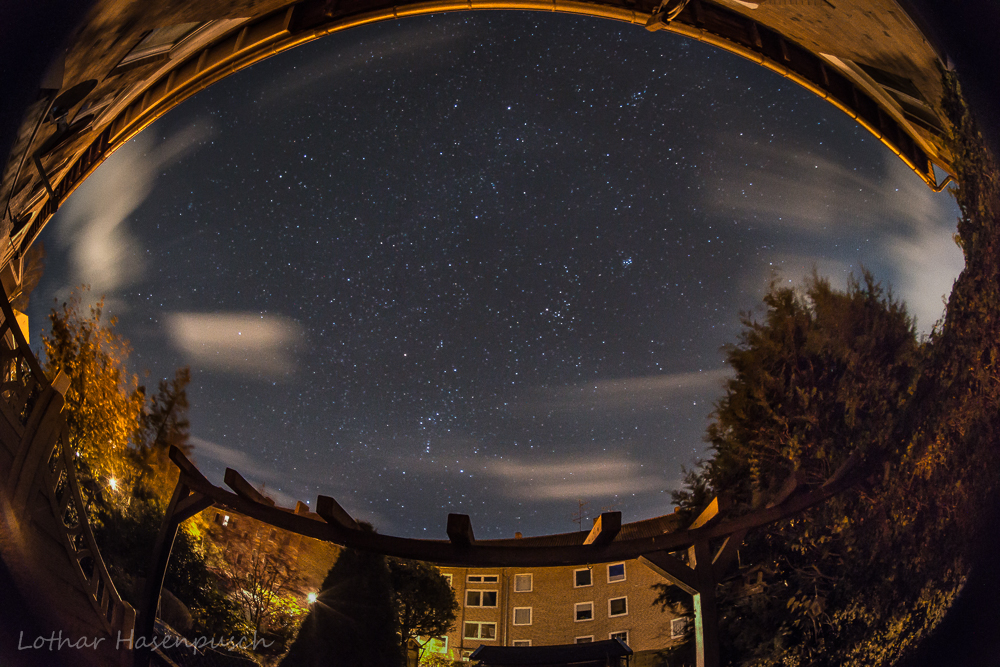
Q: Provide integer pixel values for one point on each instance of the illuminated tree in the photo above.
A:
(261, 578)
(104, 401)
(164, 424)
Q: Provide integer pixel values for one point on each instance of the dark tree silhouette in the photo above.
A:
(353, 622)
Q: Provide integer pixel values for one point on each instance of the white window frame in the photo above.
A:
(514, 618)
(531, 582)
(624, 573)
(611, 635)
(479, 628)
(589, 639)
(447, 576)
(674, 634)
(484, 606)
(576, 611)
(520, 642)
(590, 574)
(610, 600)
(482, 579)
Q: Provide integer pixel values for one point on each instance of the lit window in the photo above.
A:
(522, 583)
(582, 578)
(225, 520)
(678, 627)
(585, 640)
(623, 636)
(583, 611)
(521, 642)
(435, 644)
(618, 607)
(486, 631)
(522, 615)
(483, 578)
(616, 572)
(480, 598)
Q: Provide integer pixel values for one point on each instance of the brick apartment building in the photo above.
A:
(561, 605)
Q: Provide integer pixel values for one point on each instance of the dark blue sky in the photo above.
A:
(480, 263)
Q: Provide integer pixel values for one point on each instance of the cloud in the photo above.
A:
(103, 252)
(406, 42)
(927, 259)
(238, 460)
(836, 210)
(595, 477)
(248, 343)
(625, 394)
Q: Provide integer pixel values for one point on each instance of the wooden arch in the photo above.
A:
(609, 540)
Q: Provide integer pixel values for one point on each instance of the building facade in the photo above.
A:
(560, 605)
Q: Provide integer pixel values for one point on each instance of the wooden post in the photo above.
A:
(183, 505)
(706, 613)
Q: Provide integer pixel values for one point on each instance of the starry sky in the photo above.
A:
(481, 262)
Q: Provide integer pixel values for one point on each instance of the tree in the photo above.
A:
(823, 374)
(163, 425)
(353, 622)
(826, 373)
(104, 401)
(425, 602)
(260, 578)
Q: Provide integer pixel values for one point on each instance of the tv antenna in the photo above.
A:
(580, 514)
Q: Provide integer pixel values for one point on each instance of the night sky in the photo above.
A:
(480, 262)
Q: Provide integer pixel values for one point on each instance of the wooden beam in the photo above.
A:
(710, 512)
(237, 483)
(606, 528)
(190, 506)
(789, 487)
(460, 530)
(673, 569)
(333, 513)
(726, 554)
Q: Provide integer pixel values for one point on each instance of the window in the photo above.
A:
(521, 642)
(618, 607)
(448, 577)
(486, 631)
(436, 645)
(157, 43)
(584, 611)
(522, 615)
(616, 572)
(225, 520)
(678, 627)
(582, 578)
(522, 583)
(483, 578)
(466, 655)
(585, 640)
(623, 635)
(480, 598)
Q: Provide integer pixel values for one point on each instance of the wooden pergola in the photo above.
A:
(609, 540)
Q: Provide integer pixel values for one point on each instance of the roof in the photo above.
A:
(594, 653)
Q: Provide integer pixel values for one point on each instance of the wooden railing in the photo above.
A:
(45, 513)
